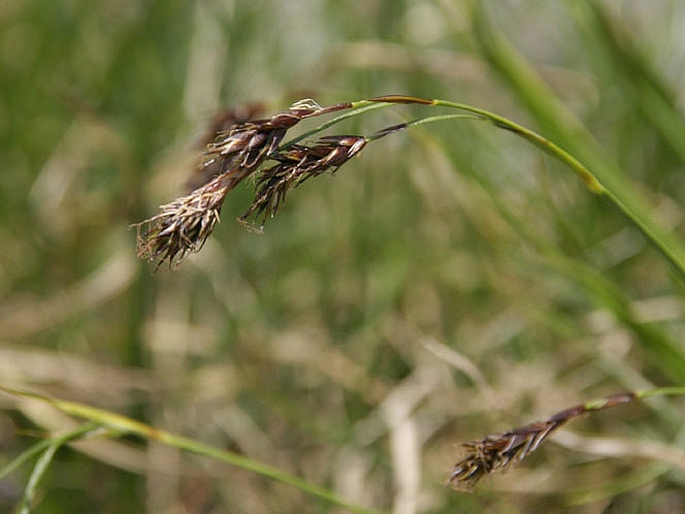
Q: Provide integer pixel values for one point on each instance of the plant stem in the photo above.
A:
(599, 180)
(616, 192)
(556, 120)
(660, 391)
(126, 426)
(357, 108)
(51, 447)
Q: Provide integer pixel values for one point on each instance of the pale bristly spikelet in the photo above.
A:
(183, 225)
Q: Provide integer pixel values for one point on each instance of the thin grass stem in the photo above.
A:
(358, 108)
(661, 391)
(125, 426)
(618, 194)
(18, 461)
(562, 125)
(49, 449)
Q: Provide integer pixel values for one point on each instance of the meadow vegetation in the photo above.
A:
(447, 284)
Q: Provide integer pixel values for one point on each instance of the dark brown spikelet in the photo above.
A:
(297, 164)
(243, 148)
(498, 452)
(183, 226)
(501, 452)
(222, 123)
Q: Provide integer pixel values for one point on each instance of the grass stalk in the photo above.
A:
(121, 425)
(618, 193)
(557, 121)
(49, 448)
(185, 224)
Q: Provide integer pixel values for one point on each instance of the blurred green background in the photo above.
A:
(448, 283)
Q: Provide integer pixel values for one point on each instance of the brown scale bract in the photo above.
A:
(221, 124)
(296, 164)
(244, 147)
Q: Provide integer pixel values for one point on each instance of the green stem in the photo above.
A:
(357, 108)
(590, 180)
(600, 178)
(41, 446)
(660, 391)
(561, 124)
(127, 426)
(36, 475)
(51, 446)
(626, 203)
(606, 184)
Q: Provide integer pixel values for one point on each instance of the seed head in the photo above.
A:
(295, 165)
(183, 225)
(498, 452)
(235, 153)
(501, 452)
(221, 124)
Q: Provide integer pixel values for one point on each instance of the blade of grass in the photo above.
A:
(557, 121)
(606, 293)
(594, 178)
(38, 472)
(49, 449)
(651, 95)
(127, 426)
(42, 446)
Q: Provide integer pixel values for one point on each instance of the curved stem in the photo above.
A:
(661, 391)
(125, 426)
(51, 446)
(560, 123)
(667, 245)
(357, 108)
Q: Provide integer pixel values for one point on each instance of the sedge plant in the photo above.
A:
(479, 458)
(260, 148)
(241, 151)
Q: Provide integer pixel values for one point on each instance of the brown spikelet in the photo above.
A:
(295, 165)
(222, 123)
(503, 451)
(244, 147)
(183, 225)
(237, 151)
(498, 453)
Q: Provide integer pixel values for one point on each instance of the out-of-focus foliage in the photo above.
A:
(449, 283)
